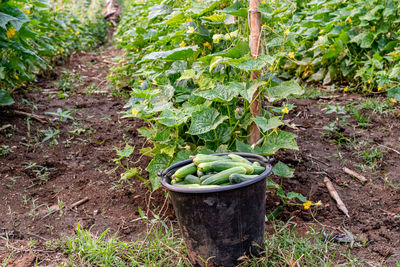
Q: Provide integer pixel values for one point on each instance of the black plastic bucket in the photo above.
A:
(220, 225)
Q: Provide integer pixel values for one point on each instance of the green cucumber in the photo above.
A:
(224, 184)
(238, 158)
(258, 169)
(223, 177)
(196, 186)
(204, 167)
(201, 158)
(204, 177)
(191, 179)
(224, 165)
(175, 182)
(239, 178)
(185, 170)
(256, 163)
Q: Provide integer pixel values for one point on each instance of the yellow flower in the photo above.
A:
(287, 31)
(16, 77)
(77, 32)
(285, 110)
(291, 55)
(271, 68)
(182, 44)
(394, 101)
(345, 89)
(135, 112)
(207, 44)
(307, 205)
(118, 82)
(369, 80)
(373, 28)
(27, 11)
(380, 88)
(89, 45)
(321, 31)
(343, 2)
(62, 49)
(263, 2)
(349, 20)
(189, 20)
(187, 147)
(155, 82)
(190, 29)
(11, 32)
(71, 30)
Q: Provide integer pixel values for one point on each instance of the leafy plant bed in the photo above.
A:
(373, 207)
(335, 131)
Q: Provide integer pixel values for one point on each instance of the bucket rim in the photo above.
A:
(268, 169)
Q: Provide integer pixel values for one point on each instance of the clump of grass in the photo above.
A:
(285, 247)
(161, 245)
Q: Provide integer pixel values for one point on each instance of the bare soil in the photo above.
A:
(81, 166)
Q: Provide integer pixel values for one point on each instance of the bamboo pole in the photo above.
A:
(254, 43)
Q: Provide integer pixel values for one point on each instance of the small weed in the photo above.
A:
(68, 83)
(90, 89)
(61, 115)
(51, 134)
(41, 172)
(5, 150)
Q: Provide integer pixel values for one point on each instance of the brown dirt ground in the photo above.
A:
(81, 166)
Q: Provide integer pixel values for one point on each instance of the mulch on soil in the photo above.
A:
(81, 166)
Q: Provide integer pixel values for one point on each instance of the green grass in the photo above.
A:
(163, 246)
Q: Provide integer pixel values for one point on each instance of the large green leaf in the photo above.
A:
(5, 18)
(157, 164)
(176, 19)
(284, 90)
(274, 142)
(236, 10)
(239, 50)
(222, 134)
(394, 93)
(5, 98)
(174, 54)
(205, 120)
(248, 89)
(172, 117)
(268, 124)
(252, 64)
(222, 93)
(282, 170)
(201, 7)
(158, 10)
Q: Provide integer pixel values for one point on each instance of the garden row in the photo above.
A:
(34, 33)
(189, 66)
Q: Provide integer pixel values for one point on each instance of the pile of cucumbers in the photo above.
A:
(213, 171)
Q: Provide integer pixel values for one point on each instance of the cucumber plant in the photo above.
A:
(192, 85)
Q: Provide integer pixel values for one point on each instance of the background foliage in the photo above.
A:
(33, 33)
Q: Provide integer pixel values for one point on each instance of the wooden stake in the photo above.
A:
(334, 194)
(254, 43)
(360, 177)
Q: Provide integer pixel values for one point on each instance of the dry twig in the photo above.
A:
(39, 118)
(360, 177)
(335, 196)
